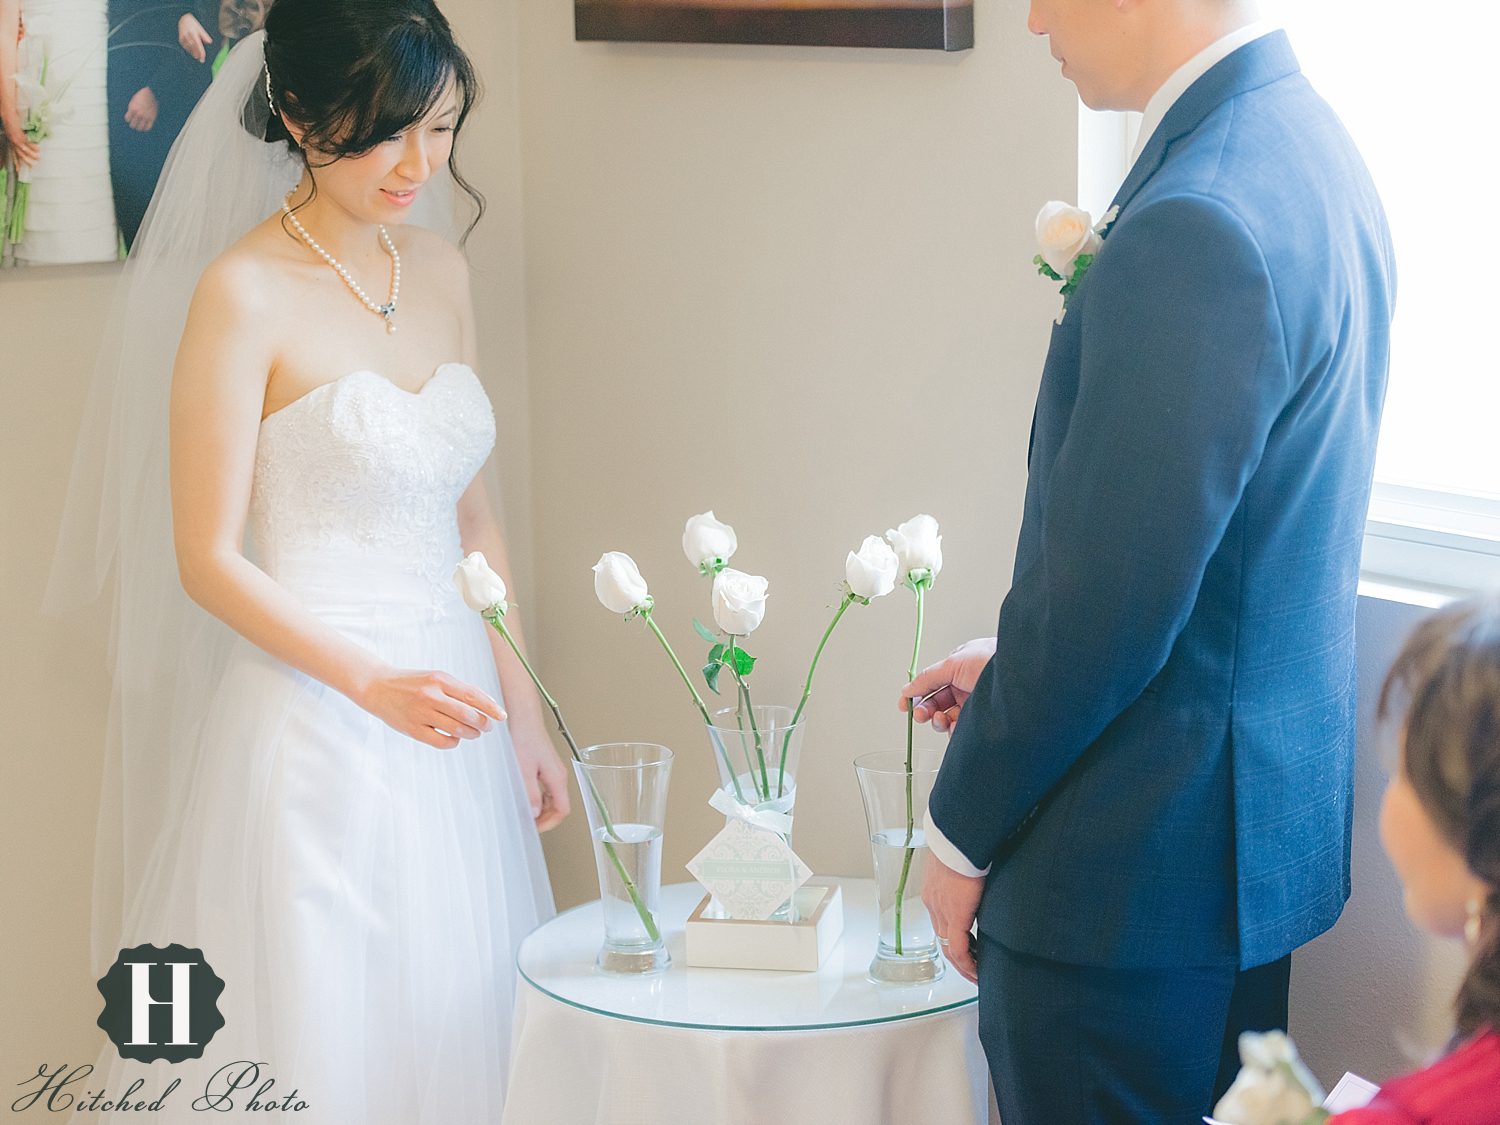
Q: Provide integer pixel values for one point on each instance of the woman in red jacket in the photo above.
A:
(1440, 823)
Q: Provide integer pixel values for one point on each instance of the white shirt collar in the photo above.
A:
(1192, 70)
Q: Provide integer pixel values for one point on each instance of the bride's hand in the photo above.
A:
(544, 775)
(431, 707)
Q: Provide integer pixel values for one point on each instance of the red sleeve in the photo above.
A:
(1378, 1112)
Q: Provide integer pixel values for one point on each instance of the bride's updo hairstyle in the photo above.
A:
(353, 73)
(1448, 676)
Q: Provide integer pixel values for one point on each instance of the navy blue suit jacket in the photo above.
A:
(1158, 760)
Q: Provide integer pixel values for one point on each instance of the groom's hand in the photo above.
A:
(952, 901)
(940, 691)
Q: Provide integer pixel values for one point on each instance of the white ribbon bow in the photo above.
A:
(761, 816)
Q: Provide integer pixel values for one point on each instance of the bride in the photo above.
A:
(339, 813)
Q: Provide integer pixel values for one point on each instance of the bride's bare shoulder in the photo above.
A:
(437, 258)
(249, 277)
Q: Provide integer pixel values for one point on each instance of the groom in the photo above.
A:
(1146, 800)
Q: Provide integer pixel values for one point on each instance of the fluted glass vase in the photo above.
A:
(624, 788)
(895, 800)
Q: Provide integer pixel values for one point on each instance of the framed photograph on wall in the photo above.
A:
(101, 88)
(938, 25)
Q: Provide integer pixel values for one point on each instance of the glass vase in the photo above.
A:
(757, 751)
(624, 787)
(895, 800)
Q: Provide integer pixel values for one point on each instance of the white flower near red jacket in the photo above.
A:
(1274, 1087)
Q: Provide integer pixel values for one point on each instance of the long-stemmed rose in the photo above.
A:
(919, 554)
(708, 542)
(484, 592)
(869, 573)
(739, 605)
(621, 589)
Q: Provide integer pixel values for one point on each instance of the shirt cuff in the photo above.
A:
(947, 853)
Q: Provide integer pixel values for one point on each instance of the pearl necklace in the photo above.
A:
(387, 310)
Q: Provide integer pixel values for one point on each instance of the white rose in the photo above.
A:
(1062, 233)
(918, 545)
(618, 582)
(871, 571)
(739, 601)
(1273, 1087)
(1260, 1097)
(482, 589)
(706, 541)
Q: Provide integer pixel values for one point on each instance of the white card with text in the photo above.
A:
(750, 871)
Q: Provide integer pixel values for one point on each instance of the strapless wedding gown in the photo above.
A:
(361, 894)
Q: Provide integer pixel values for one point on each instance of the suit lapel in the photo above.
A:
(1258, 63)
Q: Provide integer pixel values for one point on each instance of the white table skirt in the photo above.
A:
(573, 1066)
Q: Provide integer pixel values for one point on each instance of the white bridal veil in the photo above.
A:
(165, 652)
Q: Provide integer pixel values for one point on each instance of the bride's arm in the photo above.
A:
(542, 771)
(218, 390)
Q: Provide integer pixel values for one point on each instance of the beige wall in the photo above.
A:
(789, 284)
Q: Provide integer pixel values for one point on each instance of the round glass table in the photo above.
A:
(737, 1045)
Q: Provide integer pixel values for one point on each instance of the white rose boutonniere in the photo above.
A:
(1068, 239)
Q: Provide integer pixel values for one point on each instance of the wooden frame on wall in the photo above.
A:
(942, 25)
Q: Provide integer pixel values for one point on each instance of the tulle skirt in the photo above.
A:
(360, 894)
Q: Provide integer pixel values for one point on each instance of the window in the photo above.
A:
(1418, 102)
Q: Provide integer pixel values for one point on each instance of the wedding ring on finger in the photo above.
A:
(944, 942)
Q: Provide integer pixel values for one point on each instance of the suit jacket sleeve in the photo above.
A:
(1183, 370)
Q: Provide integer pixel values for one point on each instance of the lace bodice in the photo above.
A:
(360, 469)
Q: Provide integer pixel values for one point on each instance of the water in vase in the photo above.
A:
(916, 938)
(638, 849)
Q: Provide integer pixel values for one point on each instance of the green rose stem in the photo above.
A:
(911, 720)
(749, 709)
(849, 599)
(645, 615)
(495, 617)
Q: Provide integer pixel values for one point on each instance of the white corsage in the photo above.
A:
(1274, 1087)
(1069, 239)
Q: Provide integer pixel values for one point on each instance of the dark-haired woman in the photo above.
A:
(1440, 824)
(349, 832)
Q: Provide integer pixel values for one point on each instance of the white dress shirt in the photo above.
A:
(1189, 72)
(943, 849)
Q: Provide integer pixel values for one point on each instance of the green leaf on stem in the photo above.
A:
(711, 672)
(744, 663)
(704, 631)
(1044, 269)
